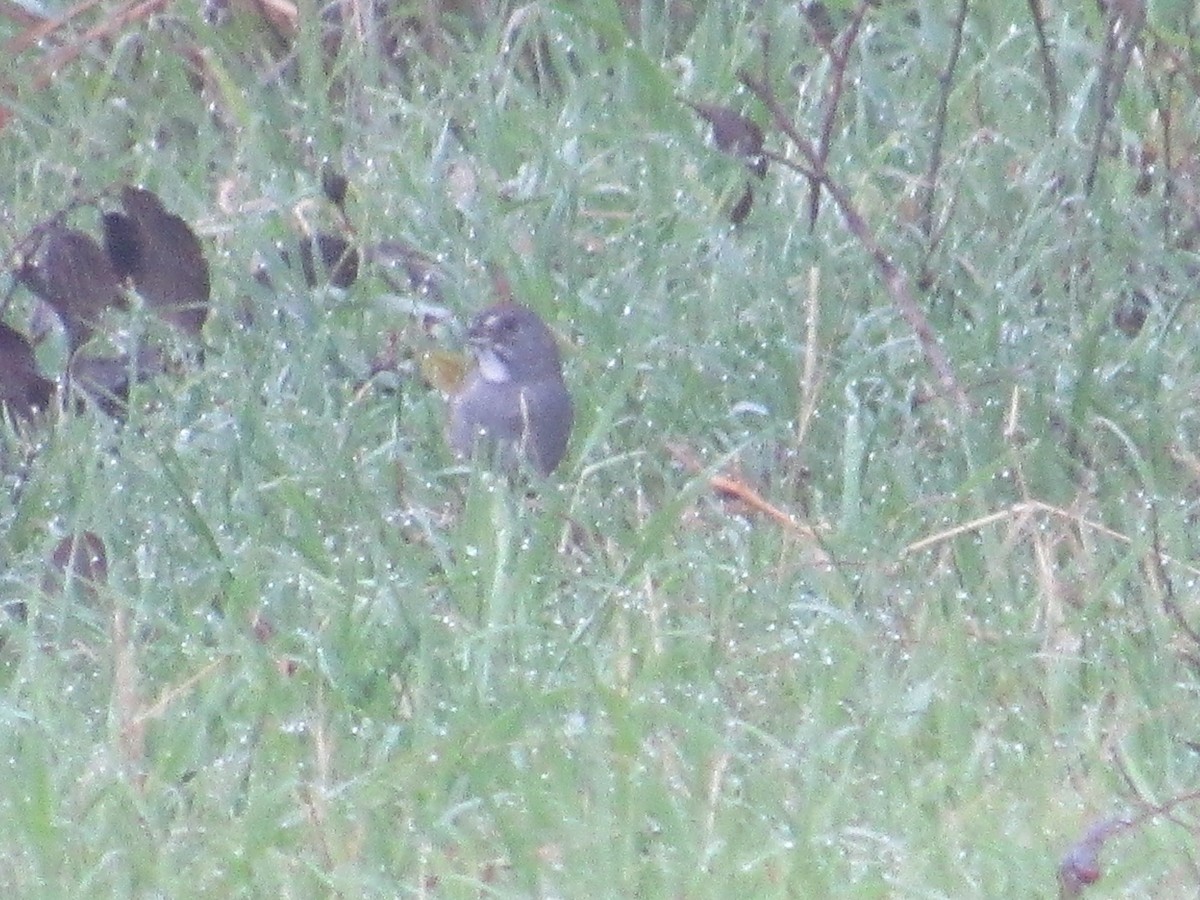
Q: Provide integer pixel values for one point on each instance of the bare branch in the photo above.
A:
(945, 84)
(894, 278)
(839, 55)
(1125, 23)
(1049, 69)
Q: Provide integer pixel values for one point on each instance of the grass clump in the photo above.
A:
(800, 615)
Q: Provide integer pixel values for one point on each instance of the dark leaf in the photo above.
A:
(423, 273)
(23, 390)
(1130, 314)
(334, 185)
(107, 380)
(734, 134)
(74, 276)
(819, 21)
(123, 243)
(742, 208)
(79, 561)
(1080, 866)
(262, 275)
(171, 272)
(339, 261)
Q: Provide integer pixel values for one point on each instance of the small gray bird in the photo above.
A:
(513, 401)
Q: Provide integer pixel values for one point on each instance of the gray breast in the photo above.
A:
(506, 419)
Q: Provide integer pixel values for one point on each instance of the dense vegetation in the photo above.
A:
(872, 567)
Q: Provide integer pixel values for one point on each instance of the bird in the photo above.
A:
(513, 403)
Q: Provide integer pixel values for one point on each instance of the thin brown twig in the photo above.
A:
(1125, 23)
(739, 490)
(1181, 64)
(1162, 97)
(1180, 68)
(1104, 107)
(894, 278)
(1022, 508)
(42, 28)
(1166, 121)
(115, 23)
(735, 488)
(15, 12)
(1170, 604)
(839, 56)
(945, 84)
(1049, 69)
(37, 29)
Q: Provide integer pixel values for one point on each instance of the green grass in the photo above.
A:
(626, 686)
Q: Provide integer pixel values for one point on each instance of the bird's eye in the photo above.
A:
(505, 323)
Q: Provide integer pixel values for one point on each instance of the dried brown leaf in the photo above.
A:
(741, 209)
(734, 134)
(734, 488)
(108, 379)
(23, 390)
(334, 185)
(443, 369)
(79, 560)
(339, 260)
(75, 277)
(423, 273)
(169, 268)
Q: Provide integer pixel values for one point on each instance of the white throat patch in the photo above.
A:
(491, 366)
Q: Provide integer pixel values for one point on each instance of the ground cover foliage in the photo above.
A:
(871, 570)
